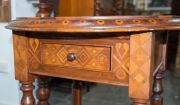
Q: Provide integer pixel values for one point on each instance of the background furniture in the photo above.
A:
(151, 7)
(5, 10)
(90, 7)
(174, 44)
(86, 7)
(76, 8)
(132, 56)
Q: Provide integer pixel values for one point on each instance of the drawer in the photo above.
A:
(103, 60)
(85, 57)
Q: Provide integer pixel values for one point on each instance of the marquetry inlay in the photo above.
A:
(100, 22)
(34, 51)
(114, 58)
(119, 22)
(140, 62)
(87, 57)
(95, 24)
(119, 50)
(120, 59)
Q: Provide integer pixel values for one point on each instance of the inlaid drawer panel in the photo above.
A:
(104, 60)
(77, 56)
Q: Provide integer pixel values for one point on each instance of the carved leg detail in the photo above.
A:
(43, 91)
(140, 102)
(76, 93)
(157, 99)
(27, 89)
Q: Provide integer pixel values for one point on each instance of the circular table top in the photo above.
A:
(86, 24)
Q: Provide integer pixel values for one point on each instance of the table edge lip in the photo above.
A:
(95, 24)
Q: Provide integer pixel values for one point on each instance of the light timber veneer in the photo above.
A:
(116, 50)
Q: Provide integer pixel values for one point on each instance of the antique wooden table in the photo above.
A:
(120, 50)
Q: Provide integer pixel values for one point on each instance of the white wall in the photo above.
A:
(9, 87)
(24, 8)
(9, 94)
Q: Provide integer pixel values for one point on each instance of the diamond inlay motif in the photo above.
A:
(83, 57)
(141, 60)
(62, 55)
(139, 56)
(139, 78)
(86, 56)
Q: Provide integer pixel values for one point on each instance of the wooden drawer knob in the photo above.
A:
(71, 57)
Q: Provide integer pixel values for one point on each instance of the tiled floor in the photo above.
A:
(112, 95)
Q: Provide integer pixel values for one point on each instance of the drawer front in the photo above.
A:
(95, 58)
(104, 60)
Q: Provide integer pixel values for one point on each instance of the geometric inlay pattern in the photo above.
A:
(103, 24)
(141, 65)
(87, 57)
(34, 51)
(120, 59)
(113, 58)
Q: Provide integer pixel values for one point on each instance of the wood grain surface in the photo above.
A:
(96, 24)
(102, 59)
(119, 50)
(141, 67)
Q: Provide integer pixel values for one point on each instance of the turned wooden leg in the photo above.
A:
(43, 91)
(157, 98)
(27, 89)
(140, 102)
(76, 91)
